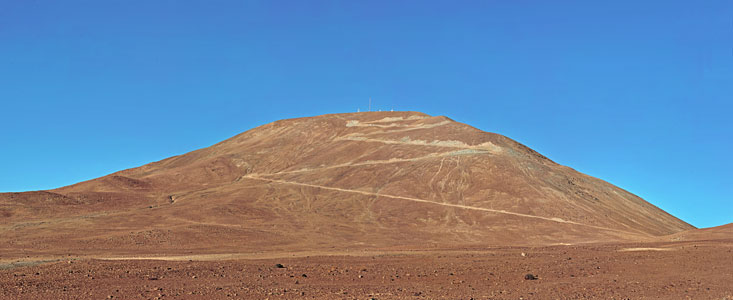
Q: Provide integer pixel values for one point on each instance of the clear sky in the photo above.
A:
(638, 93)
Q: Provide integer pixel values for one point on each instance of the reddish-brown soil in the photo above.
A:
(681, 270)
(394, 193)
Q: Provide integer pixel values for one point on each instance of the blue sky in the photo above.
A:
(637, 93)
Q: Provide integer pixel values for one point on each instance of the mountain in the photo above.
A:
(343, 181)
(722, 232)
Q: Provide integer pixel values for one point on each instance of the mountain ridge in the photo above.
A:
(371, 179)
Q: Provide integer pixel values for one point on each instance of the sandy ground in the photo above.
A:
(673, 270)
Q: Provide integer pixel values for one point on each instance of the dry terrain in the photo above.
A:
(677, 270)
(369, 205)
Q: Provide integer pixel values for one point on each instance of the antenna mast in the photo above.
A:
(370, 103)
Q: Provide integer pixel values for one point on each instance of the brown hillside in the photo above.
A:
(345, 181)
(722, 232)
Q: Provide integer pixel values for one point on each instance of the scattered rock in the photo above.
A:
(530, 277)
(279, 266)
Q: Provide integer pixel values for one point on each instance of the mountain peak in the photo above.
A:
(382, 179)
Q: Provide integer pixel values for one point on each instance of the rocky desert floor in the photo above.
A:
(661, 270)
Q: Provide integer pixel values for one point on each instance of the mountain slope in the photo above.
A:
(376, 179)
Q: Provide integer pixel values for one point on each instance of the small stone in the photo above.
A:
(530, 277)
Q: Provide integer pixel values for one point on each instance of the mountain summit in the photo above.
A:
(344, 181)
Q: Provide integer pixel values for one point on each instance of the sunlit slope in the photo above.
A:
(376, 179)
